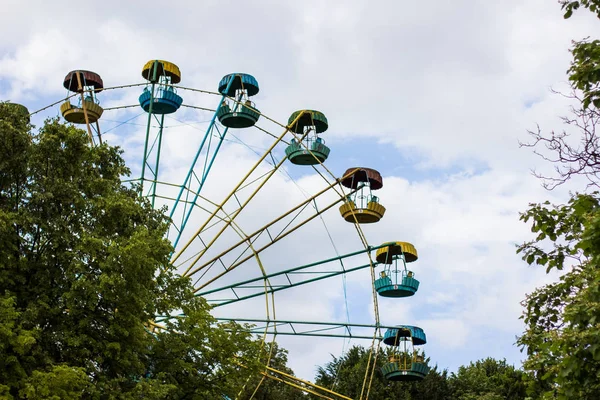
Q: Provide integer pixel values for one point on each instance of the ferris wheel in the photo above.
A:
(247, 244)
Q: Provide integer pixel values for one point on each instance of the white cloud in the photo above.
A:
(452, 86)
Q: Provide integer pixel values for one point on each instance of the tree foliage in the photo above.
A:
(84, 266)
(584, 71)
(487, 379)
(562, 336)
(270, 389)
(570, 6)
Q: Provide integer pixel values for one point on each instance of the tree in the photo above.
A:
(570, 158)
(84, 267)
(346, 374)
(581, 157)
(270, 389)
(562, 336)
(583, 72)
(488, 379)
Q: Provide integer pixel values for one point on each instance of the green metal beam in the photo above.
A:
(326, 274)
(315, 329)
(296, 270)
(157, 162)
(287, 271)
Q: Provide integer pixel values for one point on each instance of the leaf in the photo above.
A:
(530, 259)
(85, 272)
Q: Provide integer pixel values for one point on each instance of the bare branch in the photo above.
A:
(571, 160)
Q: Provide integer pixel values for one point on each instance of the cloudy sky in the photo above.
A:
(434, 95)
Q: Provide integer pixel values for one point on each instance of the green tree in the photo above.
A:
(346, 374)
(271, 389)
(84, 266)
(582, 157)
(584, 72)
(562, 336)
(488, 379)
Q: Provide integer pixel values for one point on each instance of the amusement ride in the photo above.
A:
(228, 226)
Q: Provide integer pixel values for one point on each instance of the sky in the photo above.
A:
(434, 95)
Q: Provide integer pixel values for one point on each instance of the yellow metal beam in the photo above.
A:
(234, 215)
(238, 263)
(85, 114)
(98, 132)
(266, 375)
(263, 228)
(315, 386)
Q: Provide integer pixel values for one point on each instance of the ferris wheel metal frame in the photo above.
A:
(354, 189)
